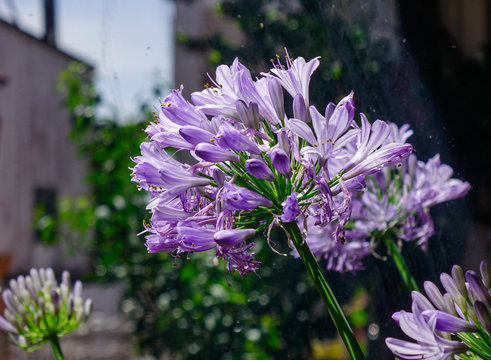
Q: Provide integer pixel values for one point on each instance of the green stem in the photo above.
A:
(325, 291)
(55, 346)
(399, 262)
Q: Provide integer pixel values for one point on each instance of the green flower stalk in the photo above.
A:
(39, 311)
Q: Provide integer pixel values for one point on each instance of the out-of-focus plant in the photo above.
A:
(39, 311)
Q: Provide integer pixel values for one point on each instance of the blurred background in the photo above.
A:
(78, 81)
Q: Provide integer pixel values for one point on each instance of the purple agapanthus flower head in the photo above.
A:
(256, 163)
(395, 200)
(37, 308)
(456, 322)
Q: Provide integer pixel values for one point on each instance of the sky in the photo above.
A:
(130, 44)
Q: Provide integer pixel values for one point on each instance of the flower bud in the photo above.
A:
(485, 268)
(459, 278)
(87, 308)
(238, 198)
(434, 295)
(7, 326)
(483, 315)
(230, 238)
(281, 162)
(219, 177)
(476, 287)
(259, 169)
(55, 299)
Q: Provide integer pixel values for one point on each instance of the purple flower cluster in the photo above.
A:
(457, 322)
(397, 200)
(242, 161)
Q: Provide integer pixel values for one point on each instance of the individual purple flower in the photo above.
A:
(291, 209)
(327, 129)
(234, 84)
(295, 77)
(231, 138)
(433, 183)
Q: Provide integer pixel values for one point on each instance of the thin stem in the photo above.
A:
(55, 346)
(399, 262)
(325, 291)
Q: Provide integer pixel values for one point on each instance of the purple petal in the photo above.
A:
(249, 114)
(434, 295)
(448, 323)
(300, 109)
(341, 117)
(195, 238)
(276, 94)
(195, 135)
(302, 130)
(320, 125)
